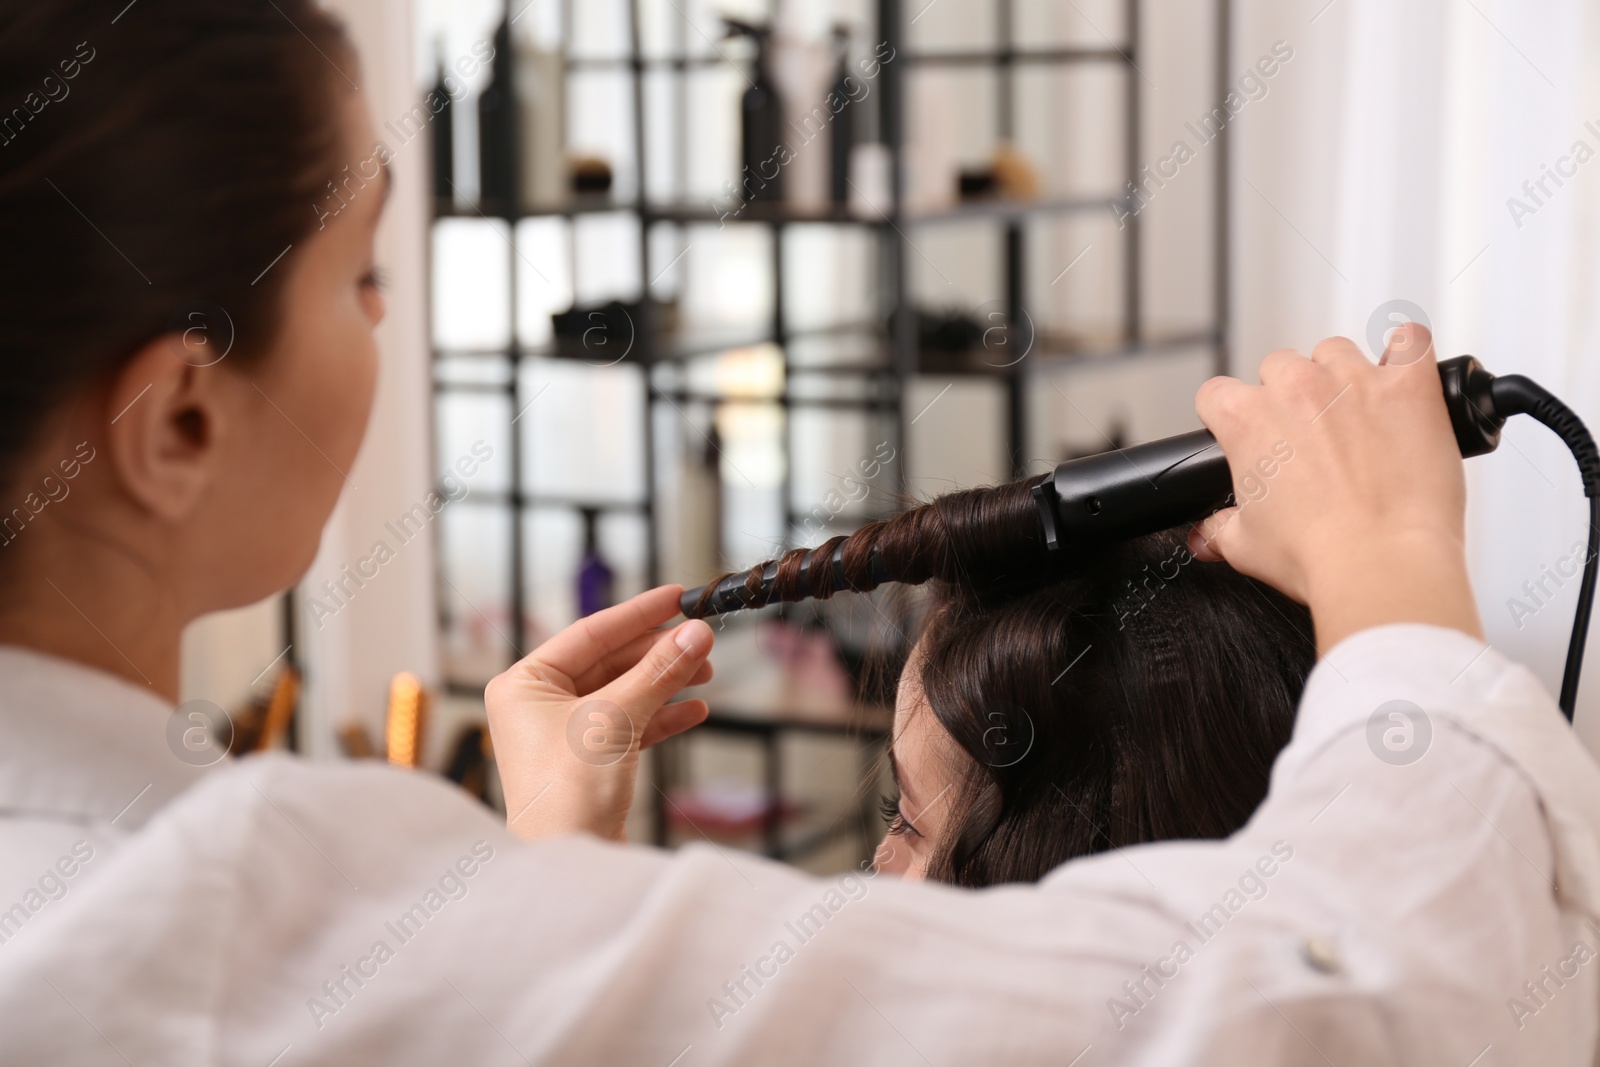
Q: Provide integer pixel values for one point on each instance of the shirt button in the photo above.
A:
(1321, 954)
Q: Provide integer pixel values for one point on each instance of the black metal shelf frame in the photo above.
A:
(1051, 56)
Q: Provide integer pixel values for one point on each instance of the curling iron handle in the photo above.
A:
(1469, 398)
(1134, 490)
(1155, 486)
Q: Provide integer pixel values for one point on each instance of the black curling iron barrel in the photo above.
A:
(1133, 491)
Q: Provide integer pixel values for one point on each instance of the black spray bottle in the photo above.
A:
(444, 138)
(842, 134)
(497, 130)
(763, 153)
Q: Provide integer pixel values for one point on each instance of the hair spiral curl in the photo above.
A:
(971, 536)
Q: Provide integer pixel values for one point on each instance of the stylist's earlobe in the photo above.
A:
(164, 420)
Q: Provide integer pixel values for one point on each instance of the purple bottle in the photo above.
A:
(594, 573)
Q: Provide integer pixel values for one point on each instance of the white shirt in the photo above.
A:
(275, 912)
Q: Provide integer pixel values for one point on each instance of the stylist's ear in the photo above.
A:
(166, 418)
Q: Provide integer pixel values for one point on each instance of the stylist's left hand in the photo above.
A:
(568, 721)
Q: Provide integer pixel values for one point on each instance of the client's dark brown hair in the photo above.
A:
(1102, 697)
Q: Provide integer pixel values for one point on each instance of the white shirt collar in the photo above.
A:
(79, 744)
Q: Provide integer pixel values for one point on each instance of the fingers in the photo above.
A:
(615, 663)
(1340, 355)
(1337, 354)
(674, 719)
(1208, 538)
(1411, 344)
(1308, 385)
(671, 664)
(1280, 364)
(1218, 397)
(580, 647)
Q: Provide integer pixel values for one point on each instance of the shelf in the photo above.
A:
(594, 204)
(1095, 353)
(1051, 353)
(1040, 56)
(991, 57)
(1013, 210)
(799, 835)
(840, 521)
(839, 403)
(862, 370)
(686, 396)
(790, 850)
(752, 695)
(677, 346)
(502, 498)
(780, 214)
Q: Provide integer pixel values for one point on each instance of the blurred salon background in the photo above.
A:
(678, 284)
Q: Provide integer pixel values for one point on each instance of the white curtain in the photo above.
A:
(1384, 167)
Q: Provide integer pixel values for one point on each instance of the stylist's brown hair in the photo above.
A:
(154, 157)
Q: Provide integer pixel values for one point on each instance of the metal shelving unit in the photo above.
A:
(882, 382)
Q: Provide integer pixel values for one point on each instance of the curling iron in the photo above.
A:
(1133, 491)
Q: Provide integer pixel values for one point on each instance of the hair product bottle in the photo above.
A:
(697, 503)
(762, 149)
(541, 112)
(595, 576)
(444, 140)
(497, 129)
(843, 130)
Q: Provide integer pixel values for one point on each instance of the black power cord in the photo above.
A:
(1512, 394)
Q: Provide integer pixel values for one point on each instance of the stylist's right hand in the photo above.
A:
(568, 720)
(1363, 522)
